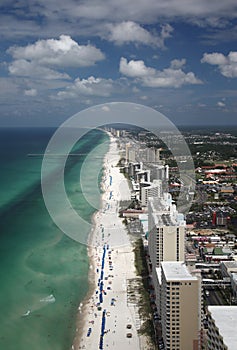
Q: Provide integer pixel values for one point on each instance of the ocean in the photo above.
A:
(43, 272)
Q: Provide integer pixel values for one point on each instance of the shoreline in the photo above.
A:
(106, 318)
(83, 307)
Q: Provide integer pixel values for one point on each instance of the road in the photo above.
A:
(214, 297)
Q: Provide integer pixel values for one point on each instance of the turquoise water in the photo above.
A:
(43, 273)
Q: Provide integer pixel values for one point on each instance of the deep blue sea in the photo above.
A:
(43, 273)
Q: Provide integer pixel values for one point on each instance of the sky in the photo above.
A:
(59, 57)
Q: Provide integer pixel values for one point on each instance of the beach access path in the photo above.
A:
(107, 319)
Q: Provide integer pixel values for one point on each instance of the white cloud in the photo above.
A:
(105, 108)
(135, 69)
(176, 64)
(171, 78)
(214, 58)
(166, 31)
(87, 87)
(87, 18)
(25, 68)
(220, 104)
(226, 64)
(150, 77)
(142, 10)
(40, 59)
(62, 52)
(131, 32)
(31, 92)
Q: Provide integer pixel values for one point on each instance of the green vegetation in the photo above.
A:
(125, 221)
(135, 204)
(140, 260)
(121, 162)
(145, 310)
(147, 328)
(196, 207)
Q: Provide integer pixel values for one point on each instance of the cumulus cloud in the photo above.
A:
(31, 92)
(226, 64)
(58, 52)
(86, 18)
(131, 32)
(87, 87)
(173, 76)
(135, 69)
(220, 104)
(176, 64)
(214, 58)
(144, 97)
(46, 58)
(25, 68)
(142, 10)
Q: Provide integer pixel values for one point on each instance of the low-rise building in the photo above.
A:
(228, 267)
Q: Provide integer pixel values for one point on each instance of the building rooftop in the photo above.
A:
(230, 264)
(225, 318)
(164, 212)
(176, 271)
(157, 205)
(234, 276)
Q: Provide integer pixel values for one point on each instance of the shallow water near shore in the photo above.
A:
(43, 273)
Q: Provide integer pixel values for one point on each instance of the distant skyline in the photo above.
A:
(178, 57)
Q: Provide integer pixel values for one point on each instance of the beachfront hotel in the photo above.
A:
(166, 227)
(178, 291)
(180, 306)
(149, 189)
(221, 334)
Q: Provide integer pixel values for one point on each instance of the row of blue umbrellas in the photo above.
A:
(102, 329)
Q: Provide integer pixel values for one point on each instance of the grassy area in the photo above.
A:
(140, 259)
(145, 310)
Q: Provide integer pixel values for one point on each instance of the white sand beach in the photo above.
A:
(107, 319)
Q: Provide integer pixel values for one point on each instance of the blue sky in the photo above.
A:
(59, 57)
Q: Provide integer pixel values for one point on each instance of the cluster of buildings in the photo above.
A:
(178, 283)
(219, 180)
(178, 286)
(217, 174)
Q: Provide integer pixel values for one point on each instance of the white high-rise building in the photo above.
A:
(157, 171)
(166, 227)
(142, 176)
(150, 189)
(152, 155)
(160, 172)
(221, 334)
(131, 155)
(180, 306)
